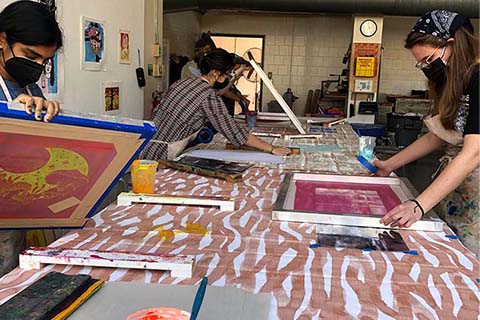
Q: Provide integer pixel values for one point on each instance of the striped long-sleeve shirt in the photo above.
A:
(185, 108)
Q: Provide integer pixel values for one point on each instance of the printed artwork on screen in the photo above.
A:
(345, 198)
(46, 177)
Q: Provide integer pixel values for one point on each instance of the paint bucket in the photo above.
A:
(162, 313)
(143, 176)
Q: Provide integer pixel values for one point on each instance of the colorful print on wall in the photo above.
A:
(51, 78)
(124, 49)
(93, 44)
(112, 97)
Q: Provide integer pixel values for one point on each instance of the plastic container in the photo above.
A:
(366, 147)
(143, 176)
(407, 128)
(372, 130)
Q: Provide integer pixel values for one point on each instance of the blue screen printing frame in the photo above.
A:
(144, 129)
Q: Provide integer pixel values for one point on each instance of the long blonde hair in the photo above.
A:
(461, 66)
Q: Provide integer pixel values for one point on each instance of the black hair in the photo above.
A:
(217, 59)
(239, 60)
(30, 23)
(205, 40)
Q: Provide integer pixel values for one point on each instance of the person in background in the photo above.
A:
(189, 104)
(447, 51)
(29, 38)
(203, 45)
(176, 66)
(228, 91)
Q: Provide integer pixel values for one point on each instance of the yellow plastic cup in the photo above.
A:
(143, 176)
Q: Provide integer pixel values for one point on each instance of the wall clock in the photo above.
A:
(368, 28)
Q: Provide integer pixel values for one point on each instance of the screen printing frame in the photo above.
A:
(283, 209)
(126, 136)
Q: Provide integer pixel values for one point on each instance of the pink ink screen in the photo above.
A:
(344, 198)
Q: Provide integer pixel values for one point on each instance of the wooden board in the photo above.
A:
(55, 296)
(225, 204)
(230, 146)
(178, 265)
(233, 178)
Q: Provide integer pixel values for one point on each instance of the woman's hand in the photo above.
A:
(403, 215)
(281, 151)
(37, 105)
(383, 168)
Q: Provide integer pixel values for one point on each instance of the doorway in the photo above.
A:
(250, 85)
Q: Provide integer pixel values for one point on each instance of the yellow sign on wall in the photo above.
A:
(365, 67)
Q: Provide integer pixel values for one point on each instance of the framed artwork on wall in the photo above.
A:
(93, 45)
(51, 80)
(124, 47)
(112, 96)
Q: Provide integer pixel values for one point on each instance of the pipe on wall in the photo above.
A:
(383, 7)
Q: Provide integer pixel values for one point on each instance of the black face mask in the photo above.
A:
(436, 72)
(23, 70)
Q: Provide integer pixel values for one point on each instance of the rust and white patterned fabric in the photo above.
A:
(246, 249)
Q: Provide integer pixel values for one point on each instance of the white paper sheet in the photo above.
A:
(118, 300)
(237, 156)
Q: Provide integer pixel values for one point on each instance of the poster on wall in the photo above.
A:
(111, 97)
(93, 44)
(51, 80)
(124, 49)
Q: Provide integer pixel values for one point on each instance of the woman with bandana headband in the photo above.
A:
(447, 51)
(29, 38)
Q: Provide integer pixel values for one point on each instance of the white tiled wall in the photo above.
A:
(398, 72)
(301, 51)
